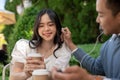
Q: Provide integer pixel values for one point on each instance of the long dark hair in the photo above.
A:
(36, 39)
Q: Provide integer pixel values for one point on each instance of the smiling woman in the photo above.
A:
(46, 41)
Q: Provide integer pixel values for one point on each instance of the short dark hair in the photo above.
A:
(114, 6)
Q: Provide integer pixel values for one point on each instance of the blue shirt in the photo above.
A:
(107, 64)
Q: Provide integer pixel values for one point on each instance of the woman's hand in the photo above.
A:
(33, 64)
(17, 72)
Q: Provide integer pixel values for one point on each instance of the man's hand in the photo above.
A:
(66, 35)
(72, 73)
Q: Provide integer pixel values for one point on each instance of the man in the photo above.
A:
(107, 65)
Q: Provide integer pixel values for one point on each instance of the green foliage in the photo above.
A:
(1, 69)
(85, 24)
(87, 48)
(104, 38)
(74, 61)
(7, 31)
(23, 27)
(12, 5)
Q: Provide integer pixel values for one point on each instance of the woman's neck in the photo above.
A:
(47, 45)
(46, 49)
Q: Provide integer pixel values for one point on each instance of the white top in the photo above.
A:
(22, 49)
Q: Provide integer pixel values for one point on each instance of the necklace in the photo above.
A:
(46, 52)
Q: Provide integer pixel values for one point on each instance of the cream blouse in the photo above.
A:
(22, 49)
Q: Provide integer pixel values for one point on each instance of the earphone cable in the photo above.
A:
(97, 40)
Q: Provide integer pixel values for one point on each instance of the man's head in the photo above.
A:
(109, 15)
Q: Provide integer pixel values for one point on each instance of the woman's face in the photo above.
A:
(110, 24)
(47, 28)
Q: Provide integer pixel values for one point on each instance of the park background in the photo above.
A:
(78, 15)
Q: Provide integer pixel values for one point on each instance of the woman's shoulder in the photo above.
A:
(64, 50)
(22, 43)
(65, 47)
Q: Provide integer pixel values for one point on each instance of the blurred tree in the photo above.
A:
(78, 15)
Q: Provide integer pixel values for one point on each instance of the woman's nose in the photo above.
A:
(46, 27)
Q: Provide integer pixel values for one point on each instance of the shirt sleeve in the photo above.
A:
(20, 51)
(106, 78)
(74, 50)
(64, 55)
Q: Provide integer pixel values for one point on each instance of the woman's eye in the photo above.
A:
(41, 26)
(51, 24)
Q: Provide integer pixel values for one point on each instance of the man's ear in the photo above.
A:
(118, 16)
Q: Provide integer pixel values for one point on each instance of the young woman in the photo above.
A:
(46, 41)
